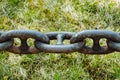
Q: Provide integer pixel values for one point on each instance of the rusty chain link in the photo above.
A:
(77, 42)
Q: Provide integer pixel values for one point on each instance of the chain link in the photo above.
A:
(96, 35)
(59, 47)
(23, 35)
(77, 42)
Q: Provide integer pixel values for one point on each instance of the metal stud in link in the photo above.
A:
(96, 46)
(60, 38)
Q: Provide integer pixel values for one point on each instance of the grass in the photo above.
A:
(59, 15)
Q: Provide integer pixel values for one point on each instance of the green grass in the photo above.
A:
(59, 15)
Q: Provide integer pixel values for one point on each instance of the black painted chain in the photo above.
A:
(77, 42)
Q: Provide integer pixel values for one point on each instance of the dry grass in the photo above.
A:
(59, 15)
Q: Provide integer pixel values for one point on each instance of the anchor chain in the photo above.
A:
(77, 42)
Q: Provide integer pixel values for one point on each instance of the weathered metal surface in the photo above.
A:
(23, 35)
(114, 45)
(5, 45)
(77, 42)
(96, 35)
(59, 47)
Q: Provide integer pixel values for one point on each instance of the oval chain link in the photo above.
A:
(96, 35)
(59, 47)
(23, 35)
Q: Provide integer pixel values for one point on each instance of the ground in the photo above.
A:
(59, 15)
